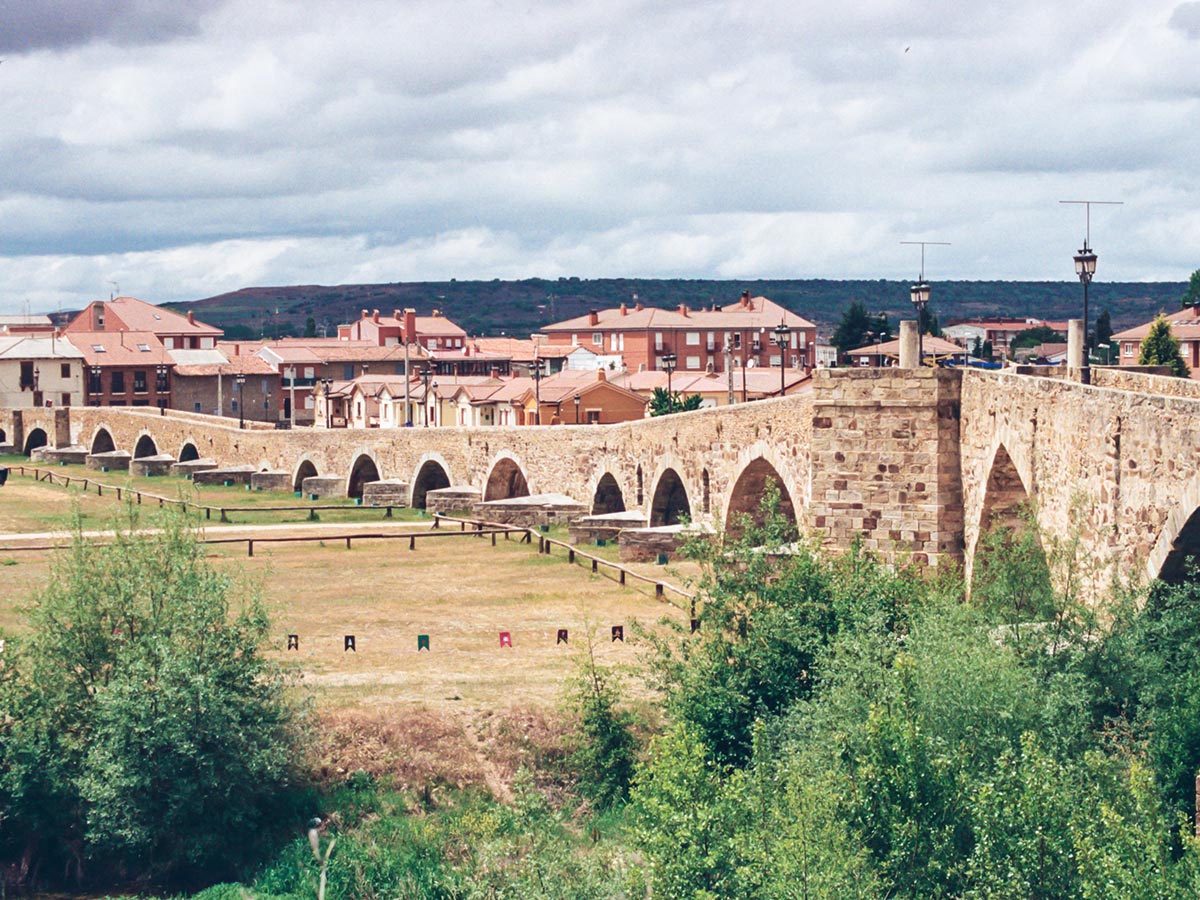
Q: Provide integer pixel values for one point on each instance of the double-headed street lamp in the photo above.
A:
(783, 336)
(667, 361)
(241, 386)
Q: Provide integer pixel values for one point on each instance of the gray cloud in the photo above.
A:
(29, 25)
(1186, 18)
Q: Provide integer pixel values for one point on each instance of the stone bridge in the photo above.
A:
(913, 463)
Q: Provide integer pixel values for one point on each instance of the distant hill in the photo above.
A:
(521, 307)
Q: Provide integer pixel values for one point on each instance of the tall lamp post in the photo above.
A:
(325, 384)
(425, 373)
(537, 375)
(783, 336)
(1085, 268)
(668, 363)
(241, 385)
(161, 385)
(576, 409)
(919, 295)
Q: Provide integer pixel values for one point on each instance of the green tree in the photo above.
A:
(605, 751)
(663, 403)
(1161, 348)
(310, 327)
(977, 347)
(1031, 337)
(145, 735)
(1191, 296)
(852, 330)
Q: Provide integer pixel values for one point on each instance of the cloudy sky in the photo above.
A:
(181, 149)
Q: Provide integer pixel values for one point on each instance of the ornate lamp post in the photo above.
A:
(241, 386)
(667, 360)
(783, 336)
(162, 385)
(1085, 268)
(425, 373)
(325, 383)
(576, 409)
(919, 294)
(537, 374)
(435, 403)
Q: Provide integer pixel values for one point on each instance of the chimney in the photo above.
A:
(593, 317)
(495, 373)
(437, 314)
(624, 310)
(410, 325)
(600, 376)
(637, 304)
(375, 316)
(683, 310)
(364, 314)
(191, 317)
(396, 315)
(745, 301)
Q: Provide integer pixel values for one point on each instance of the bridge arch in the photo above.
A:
(746, 496)
(669, 502)
(145, 446)
(1179, 538)
(1006, 504)
(188, 452)
(606, 496)
(362, 472)
(102, 441)
(306, 468)
(505, 480)
(3, 435)
(433, 473)
(36, 438)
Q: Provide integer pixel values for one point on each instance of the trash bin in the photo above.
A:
(3, 475)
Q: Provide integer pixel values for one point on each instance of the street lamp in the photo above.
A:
(267, 408)
(241, 385)
(668, 363)
(425, 373)
(537, 375)
(161, 386)
(435, 403)
(325, 384)
(919, 294)
(576, 409)
(783, 336)
(1085, 268)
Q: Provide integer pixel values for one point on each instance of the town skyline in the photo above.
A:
(181, 154)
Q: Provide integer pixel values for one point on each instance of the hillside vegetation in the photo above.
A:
(521, 307)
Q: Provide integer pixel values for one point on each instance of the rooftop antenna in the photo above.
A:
(112, 295)
(925, 244)
(1087, 207)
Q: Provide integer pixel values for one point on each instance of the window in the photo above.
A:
(310, 372)
(117, 382)
(692, 339)
(399, 368)
(1128, 349)
(141, 402)
(737, 340)
(26, 375)
(597, 339)
(658, 342)
(160, 380)
(233, 405)
(691, 362)
(574, 340)
(593, 417)
(65, 400)
(139, 381)
(711, 343)
(347, 371)
(94, 386)
(64, 370)
(196, 407)
(433, 343)
(169, 343)
(144, 348)
(613, 343)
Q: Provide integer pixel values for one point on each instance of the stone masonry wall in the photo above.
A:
(885, 462)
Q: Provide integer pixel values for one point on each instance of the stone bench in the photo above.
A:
(228, 474)
(159, 464)
(73, 456)
(528, 512)
(111, 461)
(387, 492)
(192, 466)
(453, 499)
(323, 487)
(271, 481)
(607, 527)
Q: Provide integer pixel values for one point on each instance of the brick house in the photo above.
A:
(584, 398)
(124, 368)
(432, 332)
(643, 335)
(1185, 328)
(207, 382)
(174, 331)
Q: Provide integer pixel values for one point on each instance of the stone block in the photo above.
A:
(324, 486)
(271, 481)
(113, 461)
(232, 474)
(388, 492)
(192, 466)
(526, 512)
(587, 529)
(73, 456)
(152, 465)
(453, 499)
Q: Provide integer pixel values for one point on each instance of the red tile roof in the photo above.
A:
(758, 313)
(119, 348)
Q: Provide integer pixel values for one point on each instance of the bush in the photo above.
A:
(145, 736)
